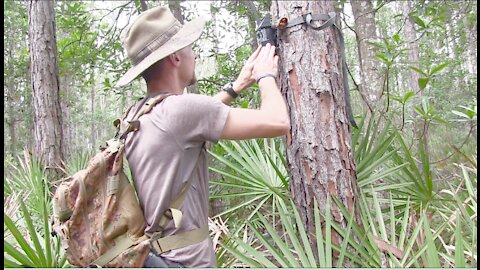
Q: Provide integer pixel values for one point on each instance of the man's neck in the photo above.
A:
(157, 87)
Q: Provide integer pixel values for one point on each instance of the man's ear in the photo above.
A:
(174, 59)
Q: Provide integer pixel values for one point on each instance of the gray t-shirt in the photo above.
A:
(163, 153)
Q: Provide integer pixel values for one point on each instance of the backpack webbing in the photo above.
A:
(158, 243)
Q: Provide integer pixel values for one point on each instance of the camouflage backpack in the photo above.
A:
(97, 214)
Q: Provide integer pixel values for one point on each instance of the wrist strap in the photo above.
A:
(265, 76)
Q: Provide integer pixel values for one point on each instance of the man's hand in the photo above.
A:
(266, 62)
(245, 78)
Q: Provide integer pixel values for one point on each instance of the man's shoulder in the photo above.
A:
(190, 98)
(191, 103)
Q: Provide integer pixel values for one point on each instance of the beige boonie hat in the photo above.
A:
(155, 34)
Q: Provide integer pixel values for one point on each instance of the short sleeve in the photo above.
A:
(196, 118)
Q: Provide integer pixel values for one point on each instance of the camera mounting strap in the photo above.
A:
(307, 19)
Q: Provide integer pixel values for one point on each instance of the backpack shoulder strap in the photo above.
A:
(124, 127)
(163, 244)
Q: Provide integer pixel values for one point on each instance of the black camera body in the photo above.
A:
(266, 33)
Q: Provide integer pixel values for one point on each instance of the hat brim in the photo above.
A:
(189, 33)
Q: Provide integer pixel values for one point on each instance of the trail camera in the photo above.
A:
(265, 32)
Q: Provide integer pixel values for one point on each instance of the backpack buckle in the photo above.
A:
(113, 145)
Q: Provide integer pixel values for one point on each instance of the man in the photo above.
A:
(168, 149)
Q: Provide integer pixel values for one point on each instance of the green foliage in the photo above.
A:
(46, 251)
(381, 239)
(26, 176)
(255, 175)
(77, 162)
(28, 241)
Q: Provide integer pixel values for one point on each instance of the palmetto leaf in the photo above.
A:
(28, 239)
(254, 170)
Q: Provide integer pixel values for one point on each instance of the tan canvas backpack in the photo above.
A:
(97, 214)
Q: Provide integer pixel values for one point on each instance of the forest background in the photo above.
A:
(413, 77)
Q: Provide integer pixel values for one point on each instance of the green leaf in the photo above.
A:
(425, 157)
(396, 37)
(274, 251)
(17, 255)
(33, 234)
(287, 224)
(418, 21)
(345, 240)
(382, 57)
(459, 248)
(422, 82)
(319, 234)
(21, 240)
(404, 228)
(461, 114)
(280, 242)
(328, 234)
(419, 71)
(432, 252)
(440, 120)
(240, 255)
(407, 96)
(438, 68)
(303, 235)
(398, 99)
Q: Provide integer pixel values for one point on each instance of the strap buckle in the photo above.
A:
(181, 240)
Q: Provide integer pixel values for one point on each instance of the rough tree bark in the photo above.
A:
(47, 115)
(366, 32)
(319, 151)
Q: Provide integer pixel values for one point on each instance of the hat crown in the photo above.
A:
(155, 34)
(151, 30)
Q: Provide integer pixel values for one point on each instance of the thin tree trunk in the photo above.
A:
(66, 115)
(143, 4)
(366, 32)
(319, 152)
(11, 122)
(174, 6)
(413, 56)
(471, 33)
(176, 9)
(47, 115)
(253, 20)
(93, 124)
(10, 102)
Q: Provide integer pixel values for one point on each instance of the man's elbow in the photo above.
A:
(282, 127)
(285, 126)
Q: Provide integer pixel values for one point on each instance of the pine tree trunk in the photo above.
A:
(319, 152)
(366, 32)
(47, 116)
